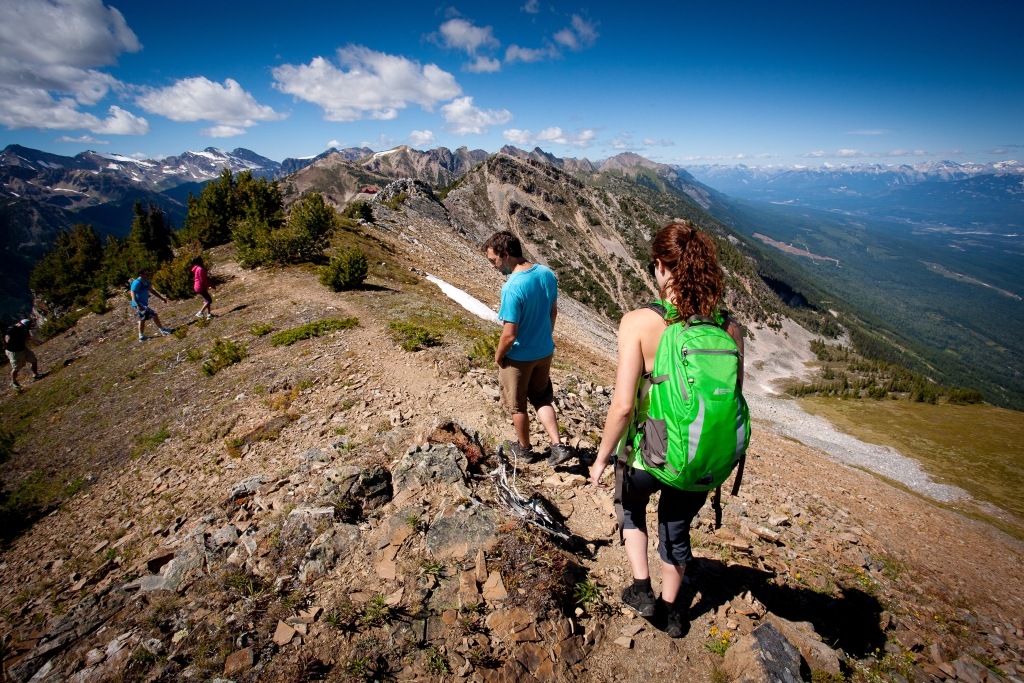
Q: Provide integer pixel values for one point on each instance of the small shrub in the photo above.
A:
(55, 326)
(587, 594)
(396, 201)
(719, 643)
(432, 568)
(224, 354)
(181, 332)
(175, 280)
(963, 397)
(345, 271)
(376, 612)
(357, 210)
(436, 664)
(192, 355)
(412, 337)
(483, 349)
(6, 445)
(313, 329)
(261, 329)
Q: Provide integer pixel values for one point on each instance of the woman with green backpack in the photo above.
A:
(677, 423)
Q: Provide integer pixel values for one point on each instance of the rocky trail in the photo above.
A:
(329, 510)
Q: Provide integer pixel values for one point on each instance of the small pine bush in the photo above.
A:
(357, 210)
(175, 279)
(313, 329)
(224, 354)
(412, 337)
(346, 271)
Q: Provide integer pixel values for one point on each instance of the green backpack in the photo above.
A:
(698, 425)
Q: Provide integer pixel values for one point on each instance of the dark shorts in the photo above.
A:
(206, 297)
(145, 313)
(522, 381)
(676, 509)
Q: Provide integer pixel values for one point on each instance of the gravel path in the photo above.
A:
(784, 416)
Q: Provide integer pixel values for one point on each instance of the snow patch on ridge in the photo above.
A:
(465, 299)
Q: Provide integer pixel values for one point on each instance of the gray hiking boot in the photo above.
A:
(559, 454)
(640, 601)
(677, 622)
(522, 453)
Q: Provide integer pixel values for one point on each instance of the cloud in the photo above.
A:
(382, 141)
(82, 140)
(949, 153)
(462, 35)
(465, 118)
(727, 157)
(869, 131)
(514, 54)
(333, 143)
(421, 138)
(531, 7)
(1002, 149)
(583, 137)
(650, 142)
(580, 34)
(200, 99)
(369, 84)
(138, 155)
(861, 154)
(50, 47)
(222, 131)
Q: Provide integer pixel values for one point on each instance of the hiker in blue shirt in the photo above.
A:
(141, 289)
(528, 311)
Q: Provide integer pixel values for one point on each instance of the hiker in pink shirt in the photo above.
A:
(202, 286)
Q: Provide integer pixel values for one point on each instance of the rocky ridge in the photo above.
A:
(311, 516)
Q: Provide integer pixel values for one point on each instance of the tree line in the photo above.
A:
(83, 269)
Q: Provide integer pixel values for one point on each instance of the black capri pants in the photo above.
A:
(676, 509)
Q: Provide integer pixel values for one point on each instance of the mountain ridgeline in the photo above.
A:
(590, 221)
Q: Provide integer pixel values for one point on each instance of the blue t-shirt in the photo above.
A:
(141, 289)
(526, 299)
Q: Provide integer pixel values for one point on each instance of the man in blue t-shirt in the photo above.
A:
(528, 311)
(140, 300)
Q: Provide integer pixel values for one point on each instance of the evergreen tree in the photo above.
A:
(211, 215)
(67, 274)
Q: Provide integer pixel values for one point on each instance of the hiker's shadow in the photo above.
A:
(848, 619)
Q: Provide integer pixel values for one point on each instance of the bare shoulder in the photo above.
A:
(642, 317)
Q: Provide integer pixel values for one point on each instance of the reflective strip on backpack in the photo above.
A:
(696, 427)
(741, 433)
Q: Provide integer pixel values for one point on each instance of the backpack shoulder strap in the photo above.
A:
(657, 308)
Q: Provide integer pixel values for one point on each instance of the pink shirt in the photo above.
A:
(202, 282)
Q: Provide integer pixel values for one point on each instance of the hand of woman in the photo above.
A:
(596, 470)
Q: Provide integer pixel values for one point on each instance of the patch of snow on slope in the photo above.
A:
(466, 300)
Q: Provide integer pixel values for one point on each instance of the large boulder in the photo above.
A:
(764, 656)
(463, 532)
(430, 464)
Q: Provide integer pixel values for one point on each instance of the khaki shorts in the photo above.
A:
(520, 381)
(21, 359)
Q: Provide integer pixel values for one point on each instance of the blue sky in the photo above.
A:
(727, 82)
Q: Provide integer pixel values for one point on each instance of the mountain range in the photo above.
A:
(922, 290)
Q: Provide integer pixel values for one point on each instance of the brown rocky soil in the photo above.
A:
(300, 516)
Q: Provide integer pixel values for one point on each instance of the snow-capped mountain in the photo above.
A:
(155, 174)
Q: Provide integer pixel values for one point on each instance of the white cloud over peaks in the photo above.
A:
(333, 143)
(369, 84)
(200, 99)
(51, 47)
(463, 35)
(421, 138)
(82, 140)
(579, 34)
(581, 138)
(651, 142)
(466, 119)
(860, 154)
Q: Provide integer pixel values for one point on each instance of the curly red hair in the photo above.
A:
(695, 285)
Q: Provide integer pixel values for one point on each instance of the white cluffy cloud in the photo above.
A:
(466, 119)
(200, 99)
(531, 6)
(51, 47)
(860, 154)
(554, 135)
(368, 84)
(580, 34)
(382, 142)
(333, 143)
(82, 140)
(726, 157)
(460, 34)
(421, 138)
